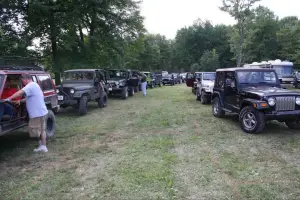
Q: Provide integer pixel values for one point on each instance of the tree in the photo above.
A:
(260, 39)
(240, 10)
(209, 61)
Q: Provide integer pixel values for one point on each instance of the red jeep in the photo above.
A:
(20, 117)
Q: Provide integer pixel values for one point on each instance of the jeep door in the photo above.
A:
(230, 92)
(190, 79)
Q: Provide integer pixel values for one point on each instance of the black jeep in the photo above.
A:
(81, 86)
(168, 79)
(124, 82)
(256, 96)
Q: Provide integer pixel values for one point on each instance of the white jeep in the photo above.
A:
(205, 87)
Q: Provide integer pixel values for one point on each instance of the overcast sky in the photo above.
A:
(167, 16)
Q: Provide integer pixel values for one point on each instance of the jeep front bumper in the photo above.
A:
(282, 115)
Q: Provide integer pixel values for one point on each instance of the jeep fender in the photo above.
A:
(257, 104)
(217, 94)
(79, 94)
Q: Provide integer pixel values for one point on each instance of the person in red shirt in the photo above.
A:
(6, 108)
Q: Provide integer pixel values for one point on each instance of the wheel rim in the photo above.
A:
(249, 121)
(216, 107)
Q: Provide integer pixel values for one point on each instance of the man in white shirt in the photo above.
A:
(36, 109)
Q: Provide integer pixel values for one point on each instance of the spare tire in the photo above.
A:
(50, 123)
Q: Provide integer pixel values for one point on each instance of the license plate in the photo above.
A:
(60, 98)
(109, 89)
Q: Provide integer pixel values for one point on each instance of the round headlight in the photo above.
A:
(271, 101)
(57, 90)
(298, 100)
(72, 91)
(121, 83)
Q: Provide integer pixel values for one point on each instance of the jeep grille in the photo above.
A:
(285, 103)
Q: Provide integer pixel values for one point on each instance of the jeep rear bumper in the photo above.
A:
(283, 115)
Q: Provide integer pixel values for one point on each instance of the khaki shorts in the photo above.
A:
(37, 126)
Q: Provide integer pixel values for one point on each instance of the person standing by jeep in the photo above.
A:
(36, 109)
(144, 84)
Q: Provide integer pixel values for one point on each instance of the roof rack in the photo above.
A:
(19, 63)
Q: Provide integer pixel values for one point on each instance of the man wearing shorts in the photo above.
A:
(36, 109)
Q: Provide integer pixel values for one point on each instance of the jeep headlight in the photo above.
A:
(298, 101)
(121, 83)
(57, 90)
(271, 101)
(72, 91)
(206, 86)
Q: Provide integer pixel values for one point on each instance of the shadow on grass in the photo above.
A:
(10, 144)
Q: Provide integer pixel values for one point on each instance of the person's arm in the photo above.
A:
(20, 93)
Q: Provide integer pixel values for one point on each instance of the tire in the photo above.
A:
(252, 120)
(50, 124)
(83, 105)
(124, 94)
(160, 84)
(217, 109)
(102, 102)
(203, 98)
(131, 92)
(295, 125)
(198, 97)
(151, 86)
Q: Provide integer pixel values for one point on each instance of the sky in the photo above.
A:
(167, 16)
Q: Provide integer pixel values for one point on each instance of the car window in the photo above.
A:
(256, 77)
(78, 75)
(46, 83)
(189, 76)
(209, 76)
(116, 74)
(220, 80)
(230, 79)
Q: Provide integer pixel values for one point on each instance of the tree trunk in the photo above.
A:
(53, 37)
(240, 53)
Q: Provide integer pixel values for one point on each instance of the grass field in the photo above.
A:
(164, 146)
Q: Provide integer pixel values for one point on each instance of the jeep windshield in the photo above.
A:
(209, 76)
(117, 74)
(257, 77)
(78, 75)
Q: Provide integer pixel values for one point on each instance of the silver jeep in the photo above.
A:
(205, 87)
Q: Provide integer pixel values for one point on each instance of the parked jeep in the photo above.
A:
(124, 82)
(297, 79)
(205, 87)
(153, 80)
(256, 96)
(176, 78)
(168, 79)
(81, 86)
(13, 68)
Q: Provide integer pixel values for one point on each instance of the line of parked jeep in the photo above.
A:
(255, 95)
(78, 88)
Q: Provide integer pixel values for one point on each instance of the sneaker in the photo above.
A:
(41, 148)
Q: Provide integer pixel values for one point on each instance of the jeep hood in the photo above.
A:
(77, 86)
(210, 83)
(267, 91)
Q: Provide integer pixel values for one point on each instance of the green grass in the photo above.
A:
(163, 146)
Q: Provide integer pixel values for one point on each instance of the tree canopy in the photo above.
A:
(67, 34)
